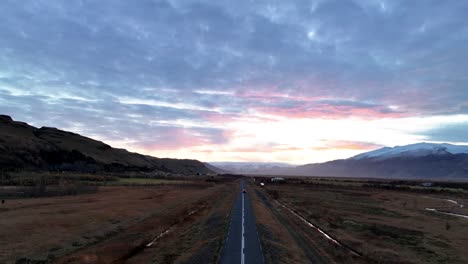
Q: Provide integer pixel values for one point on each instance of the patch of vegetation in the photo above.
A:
(381, 211)
(398, 235)
(411, 188)
(146, 181)
(353, 226)
(34, 178)
(43, 185)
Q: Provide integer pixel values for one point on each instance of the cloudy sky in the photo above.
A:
(289, 81)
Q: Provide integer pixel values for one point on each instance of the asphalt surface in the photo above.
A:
(242, 245)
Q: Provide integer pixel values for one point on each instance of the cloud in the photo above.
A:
(101, 68)
(145, 126)
(258, 148)
(347, 145)
(448, 133)
(173, 138)
(362, 51)
(326, 109)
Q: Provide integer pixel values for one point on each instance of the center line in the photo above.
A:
(243, 223)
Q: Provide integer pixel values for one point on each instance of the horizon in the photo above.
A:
(279, 162)
(288, 82)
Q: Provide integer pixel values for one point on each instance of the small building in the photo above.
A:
(278, 180)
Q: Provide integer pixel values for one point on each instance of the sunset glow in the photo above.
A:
(207, 81)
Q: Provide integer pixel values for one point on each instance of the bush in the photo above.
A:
(64, 188)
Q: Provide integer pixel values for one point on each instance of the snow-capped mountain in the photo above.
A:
(413, 150)
(421, 160)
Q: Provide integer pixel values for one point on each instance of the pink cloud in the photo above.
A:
(327, 111)
(346, 144)
(223, 118)
(217, 117)
(268, 148)
(173, 138)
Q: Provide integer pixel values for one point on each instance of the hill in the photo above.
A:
(421, 160)
(447, 166)
(414, 150)
(24, 147)
(216, 169)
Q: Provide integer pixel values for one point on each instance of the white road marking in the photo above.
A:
(447, 213)
(158, 237)
(318, 229)
(448, 200)
(243, 230)
(167, 230)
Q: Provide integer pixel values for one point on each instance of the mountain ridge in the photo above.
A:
(415, 150)
(420, 160)
(25, 147)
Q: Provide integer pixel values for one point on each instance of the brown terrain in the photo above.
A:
(109, 219)
(183, 221)
(24, 147)
(370, 225)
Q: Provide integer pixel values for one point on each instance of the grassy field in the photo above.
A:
(148, 181)
(383, 226)
(34, 184)
(86, 218)
(116, 223)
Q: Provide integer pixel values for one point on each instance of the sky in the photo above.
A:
(285, 81)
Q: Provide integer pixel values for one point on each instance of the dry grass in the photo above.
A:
(385, 226)
(148, 181)
(278, 244)
(111, 225)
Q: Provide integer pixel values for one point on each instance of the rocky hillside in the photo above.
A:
(26, 147)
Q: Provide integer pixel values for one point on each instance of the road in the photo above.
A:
(242, 245)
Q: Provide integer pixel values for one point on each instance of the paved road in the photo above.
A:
(242, 245)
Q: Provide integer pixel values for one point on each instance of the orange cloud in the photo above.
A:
(345, 144)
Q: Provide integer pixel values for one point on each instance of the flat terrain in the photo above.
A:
(166, 223)
(107, 219)
(369, 225)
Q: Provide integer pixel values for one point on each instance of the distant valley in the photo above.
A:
(251, 167)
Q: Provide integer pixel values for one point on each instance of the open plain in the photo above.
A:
(344, 221)
(159, 223)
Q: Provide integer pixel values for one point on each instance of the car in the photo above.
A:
(244, 190)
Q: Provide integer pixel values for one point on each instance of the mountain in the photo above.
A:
(421, 160)
(413, 150)
(24, 147)
(251, 167)
(216, 169)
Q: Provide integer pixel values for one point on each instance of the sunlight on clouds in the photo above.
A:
(311, 140)
(210, 92)
(264, 81)
(128, 100)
